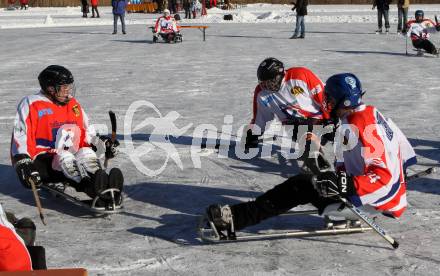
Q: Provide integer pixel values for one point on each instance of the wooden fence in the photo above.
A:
(76, 3)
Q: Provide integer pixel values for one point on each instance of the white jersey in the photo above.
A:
(420, 30)
(299, 97)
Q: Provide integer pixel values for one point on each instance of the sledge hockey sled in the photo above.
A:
(423, 53)
(59, 190)
(208, 232)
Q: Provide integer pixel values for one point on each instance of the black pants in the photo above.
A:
(297, 190)
(43, 163)
(426, 45)
(95, 9)
(187, 13)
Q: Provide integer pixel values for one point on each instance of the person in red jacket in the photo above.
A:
(52, 141)
(13, 253)
(24, 4)
(94, 8)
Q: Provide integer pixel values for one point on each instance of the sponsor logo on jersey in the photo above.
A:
(266, 100)
(43, 112)
(75, 110)
(296, 91)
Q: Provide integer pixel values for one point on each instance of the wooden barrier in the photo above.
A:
(49, 272)
(200, 27)
(145, 7)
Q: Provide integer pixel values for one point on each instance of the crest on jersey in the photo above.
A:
(296, 90)
(75, 110)
(351, 81)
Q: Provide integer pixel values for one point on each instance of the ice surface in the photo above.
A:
(203, 81)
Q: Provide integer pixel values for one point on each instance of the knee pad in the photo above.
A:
(87, 158)
(65, 162)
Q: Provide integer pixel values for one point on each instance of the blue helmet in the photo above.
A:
(419, 13)
(345, 89)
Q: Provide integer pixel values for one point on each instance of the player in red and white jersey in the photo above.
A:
(293, 96)
(419, 29)
(371, 168)
(13, 253)
(52, 142)
(372, 152)
(166, 27)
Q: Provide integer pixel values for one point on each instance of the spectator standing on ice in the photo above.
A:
(195, 7)
(187, 7)
(84, 8)
(24, 4)
(119, 12)
(94, 8)
(383, 8)
(301, 11)
(402, 15)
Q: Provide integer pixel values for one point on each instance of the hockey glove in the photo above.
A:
(111, 149)
(27, 171)
(334, 185)
(437, 27)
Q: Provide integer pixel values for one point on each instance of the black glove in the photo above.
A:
(334, 185)
(251, 140)
(437, 27)
(110, 146)
(27, 171)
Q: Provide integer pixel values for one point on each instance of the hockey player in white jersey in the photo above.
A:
(294, 96)
(419, 29)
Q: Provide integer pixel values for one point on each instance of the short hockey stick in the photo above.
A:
(370, 223)
(113, 135)
(37, 200)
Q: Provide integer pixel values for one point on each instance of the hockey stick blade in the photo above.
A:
(420, 174)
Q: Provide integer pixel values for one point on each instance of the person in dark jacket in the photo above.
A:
(84, 8)
(383, 8)
(187, 8)
(301, 11)
(119, 12)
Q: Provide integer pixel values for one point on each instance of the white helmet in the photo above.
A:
(166, 12)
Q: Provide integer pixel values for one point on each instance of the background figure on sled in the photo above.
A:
(166, 27)
(53, 143)
(419, 30)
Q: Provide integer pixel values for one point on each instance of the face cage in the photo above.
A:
(65, 92)
(272, 85)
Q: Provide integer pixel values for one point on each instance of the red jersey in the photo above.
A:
(375, 152)
(42, 126)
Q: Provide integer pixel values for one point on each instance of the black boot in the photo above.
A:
(96, 184)
(116, 181)
(26, 229)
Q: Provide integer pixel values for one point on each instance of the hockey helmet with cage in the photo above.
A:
(270, 74)
(269, 69)
(343, 90)
(419, 13)
(60, 79)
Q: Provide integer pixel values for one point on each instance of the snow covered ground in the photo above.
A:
(203, 82)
